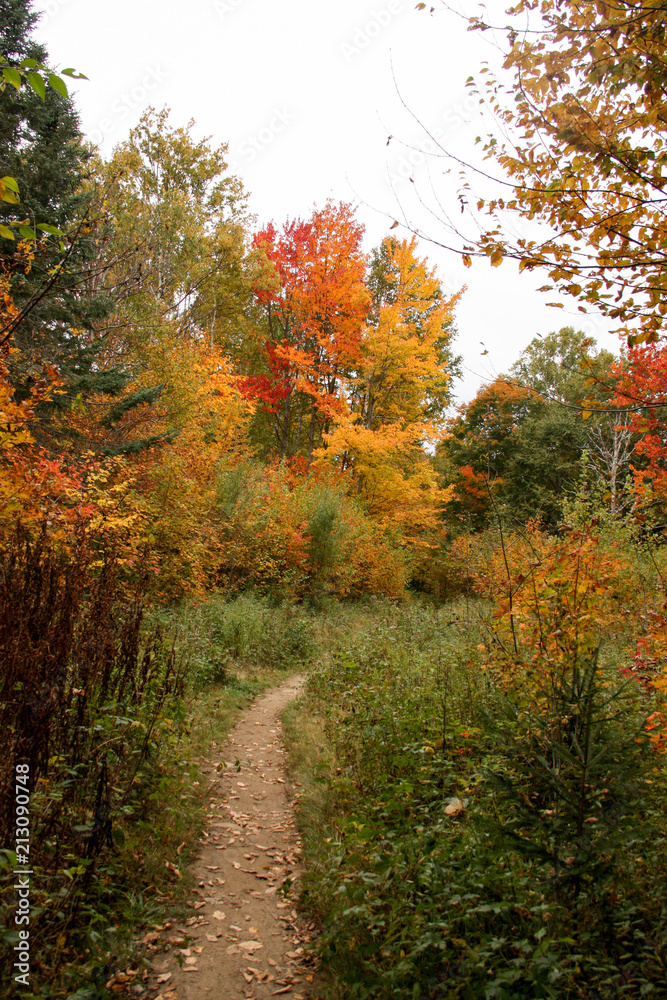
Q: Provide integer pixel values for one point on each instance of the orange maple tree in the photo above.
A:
(314, 310)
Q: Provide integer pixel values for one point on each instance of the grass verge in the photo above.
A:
(92, 926)
(433, 863)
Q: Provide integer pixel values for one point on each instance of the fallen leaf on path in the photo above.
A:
(164, 978)
(211, 937)
(212, 868)
(454, 807)
(219, 915)
(285, 989)
(250, 946)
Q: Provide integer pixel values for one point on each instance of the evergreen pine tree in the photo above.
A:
(42, 147)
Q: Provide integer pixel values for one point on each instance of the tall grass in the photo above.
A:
(418, 775)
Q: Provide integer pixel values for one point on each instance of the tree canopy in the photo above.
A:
(581, 102)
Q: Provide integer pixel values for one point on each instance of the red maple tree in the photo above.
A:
(314, 312)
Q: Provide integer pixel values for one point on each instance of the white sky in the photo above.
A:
(303, 92)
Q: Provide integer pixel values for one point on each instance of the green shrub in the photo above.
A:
(410, 870)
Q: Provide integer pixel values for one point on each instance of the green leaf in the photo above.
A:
(6, 233)
(10, 183)
(37, 84)
(58, 85)
(29, 63)
(73, 73)
(27, 233)
(12, 76)
(51, 230)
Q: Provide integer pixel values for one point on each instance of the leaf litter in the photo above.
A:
(259, 808)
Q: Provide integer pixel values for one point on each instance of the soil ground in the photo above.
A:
(244, 939)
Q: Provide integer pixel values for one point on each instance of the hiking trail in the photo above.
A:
(244, 940)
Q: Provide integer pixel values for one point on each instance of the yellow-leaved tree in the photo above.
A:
(398, 394)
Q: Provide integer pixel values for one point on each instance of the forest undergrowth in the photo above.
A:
(113, 739)
(482, 821)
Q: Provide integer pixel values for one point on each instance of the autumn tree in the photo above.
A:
(582, 149)
(406, 363)
(177, 269)
(314, 302)
(398, 392)
(524, 431)
(641, 391)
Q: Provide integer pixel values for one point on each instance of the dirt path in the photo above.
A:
(243, 939)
